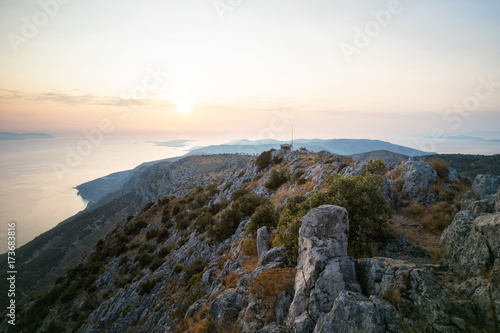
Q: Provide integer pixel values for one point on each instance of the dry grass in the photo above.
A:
(249, 248)
(414, 210)
(392, 295)
(442, 168)
(438, 217)
(250, 263)
(269, 284)
(395, 173)
(231, 280)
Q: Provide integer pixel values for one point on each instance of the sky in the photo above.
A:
(410, 72)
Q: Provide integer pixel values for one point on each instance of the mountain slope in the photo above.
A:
(336, 146)
(55, 251)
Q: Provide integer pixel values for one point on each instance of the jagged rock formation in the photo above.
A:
(164, 271)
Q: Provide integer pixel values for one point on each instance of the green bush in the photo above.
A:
(148, 205)
(277, 179)
(231, 218)
(277, 159)
(227, 186)
(151, 233)
(144, 260)
(264, 160)
(242, 191)
(265, 215)
(197, 266)
(204, 222)
(135, 228)
(241, 174)
(146, 286)
(157, 262)
(368, 214)
(162, 235)
(376, 167)
(178, 268)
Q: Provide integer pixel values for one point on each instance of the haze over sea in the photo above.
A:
(32, 194)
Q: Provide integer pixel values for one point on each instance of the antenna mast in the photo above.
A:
(292, 136)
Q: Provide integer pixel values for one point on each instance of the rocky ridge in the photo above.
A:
(242, 284)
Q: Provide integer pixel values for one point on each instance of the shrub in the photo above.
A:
(134, 228)
(151, 233)
(204, 222)
(264, 215)
(264, 160)
(368, 214)
(277, 159)
(178, 268)
(157, 262)
(146, 286)
(376, 167)
(144, 260)
(177, 209)
(241, 174)
(227, 186)
(126, 310)
(164, 251)
(277, 179)
(162, 235)
(242, 191)
(231, 218)
(197, 266)
(148, 205)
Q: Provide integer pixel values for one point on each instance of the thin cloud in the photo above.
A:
(172, 143)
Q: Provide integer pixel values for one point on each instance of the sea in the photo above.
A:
(38, 177)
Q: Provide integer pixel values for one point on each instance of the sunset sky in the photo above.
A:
(390, 70)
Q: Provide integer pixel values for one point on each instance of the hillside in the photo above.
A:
(335, 146)
(280, 246)
(52, 253)
(384, 155)
(472, 165)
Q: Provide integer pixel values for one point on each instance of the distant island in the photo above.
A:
(24, 136)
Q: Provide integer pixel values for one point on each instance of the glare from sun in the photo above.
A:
(183, 105)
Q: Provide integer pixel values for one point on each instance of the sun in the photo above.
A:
(183, 105)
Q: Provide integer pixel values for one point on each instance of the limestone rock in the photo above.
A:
(225, 308)
(353, 312)
(485, 185)
(262, 241)
(403, 249)
(483, 206)
(416, 175)
(322, 237)
(276, 256)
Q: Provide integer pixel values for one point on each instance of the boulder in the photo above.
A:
(483, 206)
(338, 275)
(453, 175)
(497, 201)
(485, 185)
(275, 256)
(353, 312)
(416, 175)
(475, 253)
(322, 237)
(262, 241)
(454, 236)
(225, 309)
(403, 249)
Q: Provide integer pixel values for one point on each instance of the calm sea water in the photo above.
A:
(37, 197)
